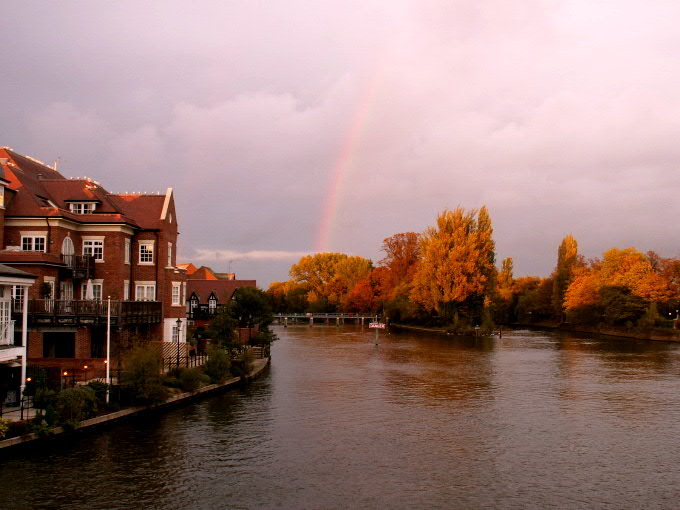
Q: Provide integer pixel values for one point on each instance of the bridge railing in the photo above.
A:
(316, 315)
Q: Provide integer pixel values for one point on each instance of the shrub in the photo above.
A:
(243, 364)
(142, 375)
(99, 389)
(218, 364)
(191, 379)
(4, 427)
(73, 405)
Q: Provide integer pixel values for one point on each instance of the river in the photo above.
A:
(532, 420)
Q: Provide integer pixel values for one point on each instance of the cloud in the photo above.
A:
(561, 117)
(230, 255)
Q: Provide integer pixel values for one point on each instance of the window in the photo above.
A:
(67, 247)
(128, 250)
(2, 197)
(94, 248)
(175, 334)
(176, 293)
(18, 296)
(184, 292)
(82, 207)
(33, 243)
(126, 290)
(96, 291)
(146, 252)
(169, 254)
(212, 303)
(145, 291)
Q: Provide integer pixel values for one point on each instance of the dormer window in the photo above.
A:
(82, 207)
(212, 303)
(193, 301)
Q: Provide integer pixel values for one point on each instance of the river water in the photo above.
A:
(532, 420)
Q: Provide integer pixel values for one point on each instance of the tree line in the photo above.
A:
(447, 276)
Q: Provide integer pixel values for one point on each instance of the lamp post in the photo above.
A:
(179, 325)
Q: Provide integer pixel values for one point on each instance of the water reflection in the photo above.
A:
(531, 420)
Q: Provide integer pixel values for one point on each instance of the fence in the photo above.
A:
(170, 362)
(23, 411)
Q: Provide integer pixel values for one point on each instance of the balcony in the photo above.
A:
(78, 267)
(54, 312)
(8, 350)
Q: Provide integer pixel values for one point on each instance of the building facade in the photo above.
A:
(12, 346)
(101, 260)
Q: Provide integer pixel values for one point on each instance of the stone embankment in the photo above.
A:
(259, 365)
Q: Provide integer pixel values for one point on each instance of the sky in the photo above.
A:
(298, 126)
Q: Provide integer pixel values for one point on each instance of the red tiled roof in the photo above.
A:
(223, 289)
(32, 184)
(189, 268)
(145, 209)
(202, 273)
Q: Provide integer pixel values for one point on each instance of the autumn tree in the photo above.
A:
(317, 271)
(457, 260)
(402, 252)
(567, 261)
(504, 292)
(616, 288)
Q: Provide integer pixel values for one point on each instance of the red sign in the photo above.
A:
(378, 325)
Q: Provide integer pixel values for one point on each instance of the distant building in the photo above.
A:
(86, 244)
(208, 292)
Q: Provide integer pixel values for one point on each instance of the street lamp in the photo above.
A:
(179, 325)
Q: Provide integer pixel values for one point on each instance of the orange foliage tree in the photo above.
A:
(457, 260)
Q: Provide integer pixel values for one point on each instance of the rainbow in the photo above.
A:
(340, 169)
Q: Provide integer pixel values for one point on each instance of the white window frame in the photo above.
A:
(90, 246)
(212, 302)
(2, 197)
(169, 255)
(97, 289)
(176, 293)
(18, 293)
(128, 250)
(149, 246)
(145, 289)
(30, 242)
(126, 290)
(82, 207)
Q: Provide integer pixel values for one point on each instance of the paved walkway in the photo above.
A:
(13, 413)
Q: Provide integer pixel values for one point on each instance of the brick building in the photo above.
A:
(207, 293)
(86, 245)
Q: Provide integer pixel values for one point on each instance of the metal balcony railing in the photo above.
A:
(57, 311)
(80, 266)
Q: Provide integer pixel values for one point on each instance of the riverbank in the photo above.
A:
(656, 336)
(259, 366)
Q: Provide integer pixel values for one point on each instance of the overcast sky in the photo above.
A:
(288, 127)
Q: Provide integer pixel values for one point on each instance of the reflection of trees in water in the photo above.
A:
(625, 376)
(432, 371)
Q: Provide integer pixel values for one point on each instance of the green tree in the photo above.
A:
(567, 261)
(251, 307)
(142, 375)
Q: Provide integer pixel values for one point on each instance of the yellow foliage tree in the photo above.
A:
(457, 259)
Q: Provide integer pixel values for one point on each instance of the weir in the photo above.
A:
(340, 318)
